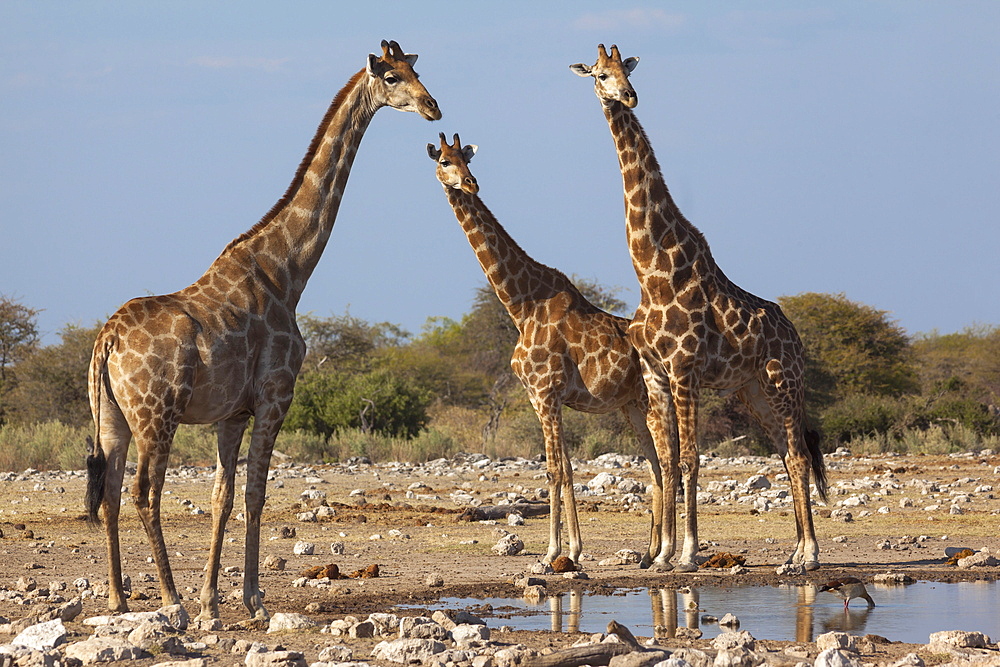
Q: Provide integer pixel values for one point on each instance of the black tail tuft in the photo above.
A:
(97, 468)
(818, 465)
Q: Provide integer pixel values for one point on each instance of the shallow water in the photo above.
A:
(793, 613)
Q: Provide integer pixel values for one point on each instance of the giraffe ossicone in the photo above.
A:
(227, 347)
(569, 352)
(696, 329)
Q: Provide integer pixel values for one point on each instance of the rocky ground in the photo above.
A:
(887, 515)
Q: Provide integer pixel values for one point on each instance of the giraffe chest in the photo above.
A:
(592, 368)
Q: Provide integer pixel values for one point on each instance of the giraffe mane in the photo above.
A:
(338, 101)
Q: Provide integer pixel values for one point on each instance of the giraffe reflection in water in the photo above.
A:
(681, 608)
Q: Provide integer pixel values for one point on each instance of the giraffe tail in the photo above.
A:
(818, 464)
(97, 462)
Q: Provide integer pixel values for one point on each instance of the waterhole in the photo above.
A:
(792, 613)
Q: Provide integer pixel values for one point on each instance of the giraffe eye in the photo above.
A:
(391, 79)
(445, 163)
(602, 77)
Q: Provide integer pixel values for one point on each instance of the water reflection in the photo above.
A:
(798, 613)
(673, 608)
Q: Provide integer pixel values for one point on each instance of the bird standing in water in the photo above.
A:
(848, 588)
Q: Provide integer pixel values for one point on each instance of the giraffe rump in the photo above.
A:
(97, 468)
(818, 464)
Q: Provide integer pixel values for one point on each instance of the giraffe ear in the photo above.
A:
(433, 152)
(630, 63)
(410, 58)
(581, 70)
(373, 65)
(469, 151)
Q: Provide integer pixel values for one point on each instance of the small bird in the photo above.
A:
(848, 588)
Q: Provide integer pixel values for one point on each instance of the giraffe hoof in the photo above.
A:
(661, 567)
(686, 567)
(811, 565)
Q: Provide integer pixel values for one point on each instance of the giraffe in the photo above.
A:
(569, 352)
(694, 328)
(227, 348)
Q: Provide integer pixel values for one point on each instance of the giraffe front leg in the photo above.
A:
(662, 426)
(555, 472)
(229, 436)
(687, 412)
(258, 461)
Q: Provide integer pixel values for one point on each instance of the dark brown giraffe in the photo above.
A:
(696, 329)
(569, 352)
(227, 348)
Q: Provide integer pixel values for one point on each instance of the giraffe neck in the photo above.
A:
(518, 280)
(661, 240)
(281, 251)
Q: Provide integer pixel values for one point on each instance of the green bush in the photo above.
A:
(376, 402)
(43, 446)
(862, 415)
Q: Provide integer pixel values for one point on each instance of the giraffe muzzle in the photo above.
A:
(429, 109)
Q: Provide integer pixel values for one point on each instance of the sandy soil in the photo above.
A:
(45, 537)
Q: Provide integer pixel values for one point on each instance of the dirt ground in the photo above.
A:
(45, 537)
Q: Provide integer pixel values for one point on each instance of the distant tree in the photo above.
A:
(18, 339)
(605, 298)
(971, 357)
(851, 348)
(346, 342)
(327, 401)
(52, 382)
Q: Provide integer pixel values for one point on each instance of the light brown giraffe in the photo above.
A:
(227, 347)
(694, 328)
(569, 352)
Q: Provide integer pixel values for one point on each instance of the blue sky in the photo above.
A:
(820, 146)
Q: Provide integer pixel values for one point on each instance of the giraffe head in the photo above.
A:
(394, 83)
(611, 76)
(453, 164)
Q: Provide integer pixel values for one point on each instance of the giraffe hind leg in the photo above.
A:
(146, 492)
(106, 471)
(788, 437)
(636, 415)
(230, 433)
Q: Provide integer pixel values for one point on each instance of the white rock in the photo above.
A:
(275, 659)
(303, 548)
(960, 639)
(385, 625)
(730, 621)
(508, 545)
(421, 627)
(837, 640)
(466, 634)
(42, 636)
(731, 640)
(104, 649)
(603, 482)
(282, 622)
(835, 658)
(407, 650)
(335, 653)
